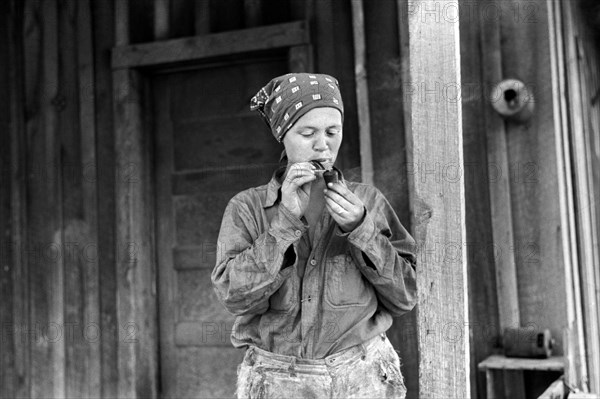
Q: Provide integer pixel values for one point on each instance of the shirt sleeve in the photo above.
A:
(386, 255)
(252, 265)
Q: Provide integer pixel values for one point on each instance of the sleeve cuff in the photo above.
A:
(368, 269)
(362, 235)
(286, 228)
(361, 238)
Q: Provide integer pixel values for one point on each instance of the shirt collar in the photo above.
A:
(274, 186)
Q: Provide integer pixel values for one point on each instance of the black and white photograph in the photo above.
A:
(300, 199)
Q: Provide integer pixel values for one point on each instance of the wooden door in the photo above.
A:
(208, 147)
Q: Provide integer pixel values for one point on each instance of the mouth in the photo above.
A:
(322, 163)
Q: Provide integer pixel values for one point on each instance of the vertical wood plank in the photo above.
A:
(253, 13)
(136, 308)
(202, 17)
(588, 252)
(161, 19)
(587, 197)
(19, 82)
(333, 25)
(181, 17)
(514, 383)
(404, 333)
(301, 9)
(8, 374)
(490, 384)
(89, 251)
(483, 301)
(127, 121)
(362, 92)
(324, 37)
(104, 37)
(573, 339)
(532, 152)
(74, 234)
(300, 58)
(438, 207)
(44, 238)
(500, 198)
(136, 281)
(121, 22)
(141, 21)
(590, 73)
(166, 234)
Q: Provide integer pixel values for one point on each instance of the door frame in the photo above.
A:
(133, 65)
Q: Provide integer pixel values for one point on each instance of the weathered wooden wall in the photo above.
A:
(61, 332)
(526, 271)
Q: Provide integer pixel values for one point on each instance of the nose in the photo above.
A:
(320, 143)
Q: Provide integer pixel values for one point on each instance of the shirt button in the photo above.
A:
(298, 233)
(313, 262)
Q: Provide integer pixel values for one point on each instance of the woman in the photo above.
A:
(314, 272)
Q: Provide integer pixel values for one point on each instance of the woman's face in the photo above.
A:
(316, 136)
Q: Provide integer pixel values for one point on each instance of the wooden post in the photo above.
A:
(434, 149)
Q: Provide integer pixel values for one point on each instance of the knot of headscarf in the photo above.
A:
(286, 98)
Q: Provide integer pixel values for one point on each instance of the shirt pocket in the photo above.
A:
(286, 297)
(345, 285)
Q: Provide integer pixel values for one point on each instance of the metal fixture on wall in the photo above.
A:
(513, 100)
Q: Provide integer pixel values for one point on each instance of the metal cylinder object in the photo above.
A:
(513, 100)
(526, 342)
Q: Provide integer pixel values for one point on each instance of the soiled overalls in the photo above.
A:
(371, 370)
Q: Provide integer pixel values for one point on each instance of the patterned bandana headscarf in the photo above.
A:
(286, 98)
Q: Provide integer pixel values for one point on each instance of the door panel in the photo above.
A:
(209, 146)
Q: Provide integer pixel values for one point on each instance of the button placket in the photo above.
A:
(308, 317)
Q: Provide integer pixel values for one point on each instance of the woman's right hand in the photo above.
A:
(295, 190)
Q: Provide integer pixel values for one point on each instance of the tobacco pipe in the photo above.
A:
(330, 175)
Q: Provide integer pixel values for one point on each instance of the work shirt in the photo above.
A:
(311, 299)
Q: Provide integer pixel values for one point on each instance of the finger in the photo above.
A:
(300, 181)
(338, 199)
(336, 206)
(344, 192)
(302, 166)
(337, 214)
(298, 173)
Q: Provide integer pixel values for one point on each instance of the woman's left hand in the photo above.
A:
(344, 206)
